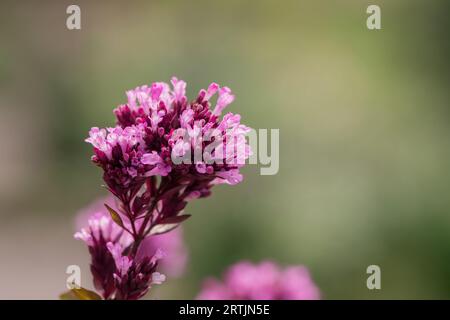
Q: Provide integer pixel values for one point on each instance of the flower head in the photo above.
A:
(100, 232)
(116, 273)
(159, 132)
(133, 277)
(264, 281)
(171, 243)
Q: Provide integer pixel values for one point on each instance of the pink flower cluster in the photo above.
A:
(158, 125)
(163, 152)
(171, 243)
(117, 275)
(264, 281)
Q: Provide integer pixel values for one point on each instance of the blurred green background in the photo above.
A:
(364, 135)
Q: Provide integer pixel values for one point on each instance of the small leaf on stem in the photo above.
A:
(114, 215)
(168, 224)
(162, 228)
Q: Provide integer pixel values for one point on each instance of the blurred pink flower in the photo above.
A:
(263, 281)
(175, 253)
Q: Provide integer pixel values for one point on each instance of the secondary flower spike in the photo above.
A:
(171, 243)
(115, 273)
(264, 281)
(163, 152)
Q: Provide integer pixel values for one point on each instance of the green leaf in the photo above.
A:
(68, 295)
(80, 294)
(85, 294)
(114, 215)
